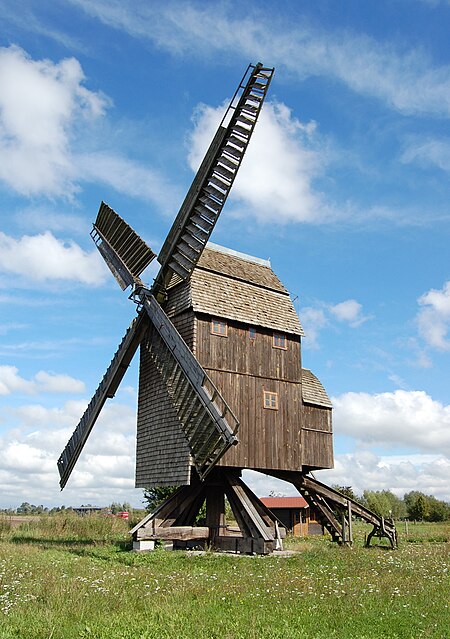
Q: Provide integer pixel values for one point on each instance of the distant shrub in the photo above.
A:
(5, 525)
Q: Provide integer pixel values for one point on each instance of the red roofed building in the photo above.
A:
(294, 513)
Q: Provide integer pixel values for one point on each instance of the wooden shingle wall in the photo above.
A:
(162, 453)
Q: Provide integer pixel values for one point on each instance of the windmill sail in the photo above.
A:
(105, 390)
(207, 421)
(211, 186)
(126, 254)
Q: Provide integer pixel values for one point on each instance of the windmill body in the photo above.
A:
(221, 385)
(239, 321)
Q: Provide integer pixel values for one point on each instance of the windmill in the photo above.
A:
(221, 386)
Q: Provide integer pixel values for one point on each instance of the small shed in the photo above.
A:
(295, 514)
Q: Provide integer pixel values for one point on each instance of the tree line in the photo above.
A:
(26, 508)
(415, 505)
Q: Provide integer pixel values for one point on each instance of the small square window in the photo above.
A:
(270, 400)
(252, 332)
(219, 327)
(279, 340)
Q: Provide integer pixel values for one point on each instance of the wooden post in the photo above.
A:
(344, 531)
(215, 511)
(350, 523)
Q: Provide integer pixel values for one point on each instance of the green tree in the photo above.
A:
(384, 503)
(419, 509)
(154, 497)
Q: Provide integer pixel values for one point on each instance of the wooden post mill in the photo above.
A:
(221, 382)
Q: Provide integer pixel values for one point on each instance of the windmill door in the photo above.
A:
(297, 528)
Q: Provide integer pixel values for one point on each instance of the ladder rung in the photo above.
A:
(193, 241)
(245, 118)
(197, 233)
(202, 223)
(205, 212)
(239, 142)
(185, 262)
(240, 130)
(214, 192)
(233, 151)
(224, 172)
(179, 270)
(233, 165)
(210, 203)
(219, 183)
(188, 251)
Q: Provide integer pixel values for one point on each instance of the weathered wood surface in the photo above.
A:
(182, 533)
(173, 519)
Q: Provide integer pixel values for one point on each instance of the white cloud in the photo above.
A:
(129, 177)
(275, 179)
(410, 419)
(434, 318)
(43, 381)
(315, 319)
(44, 113)
(429, 152)
(29, 452)
(43, 257)
(367, 66)
(364, 470)
(40, 104)
(349, 311)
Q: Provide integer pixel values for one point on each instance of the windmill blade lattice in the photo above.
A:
(106, 389)
(206, 419)
(125, 253)
(211, 186)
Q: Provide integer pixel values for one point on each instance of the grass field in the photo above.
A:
(70, 577)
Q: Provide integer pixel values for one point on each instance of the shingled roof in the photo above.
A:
(312, 390)
(236, 287)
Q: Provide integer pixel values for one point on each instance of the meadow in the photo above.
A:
(66, 577)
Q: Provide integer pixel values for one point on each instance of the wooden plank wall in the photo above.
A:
(242, 369)
(317, 437)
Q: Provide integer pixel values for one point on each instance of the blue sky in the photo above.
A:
(345, 188)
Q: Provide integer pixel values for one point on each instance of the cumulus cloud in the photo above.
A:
(29, 452)
(402, 418)
(43, 381)
(44, 112)
(279, 190)
(365, 470)
(40, 104)
(367, 66)
(315, 319)
(434, 318)
(43, 257)
(349, 311)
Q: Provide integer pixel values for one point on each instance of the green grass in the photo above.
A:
(64, 578)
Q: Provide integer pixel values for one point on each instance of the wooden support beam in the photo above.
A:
(244, 545)
(350, 523)
(215, 510)
(181, 533)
